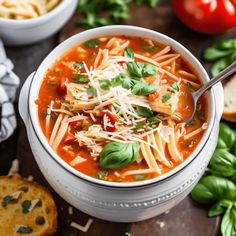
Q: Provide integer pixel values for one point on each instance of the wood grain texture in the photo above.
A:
(186, 219)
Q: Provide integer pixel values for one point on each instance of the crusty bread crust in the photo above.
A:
(230, 100)
(12, 214)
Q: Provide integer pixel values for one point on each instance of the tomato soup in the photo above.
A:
(114, 108)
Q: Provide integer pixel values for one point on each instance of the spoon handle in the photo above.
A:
(221, 76)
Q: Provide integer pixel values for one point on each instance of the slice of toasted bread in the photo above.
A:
(26, 207)
(230, 100)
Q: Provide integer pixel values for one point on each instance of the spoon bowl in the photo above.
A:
(228, 71)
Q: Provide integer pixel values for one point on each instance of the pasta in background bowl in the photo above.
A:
(26, 9)
(28, 21)
(110, 200)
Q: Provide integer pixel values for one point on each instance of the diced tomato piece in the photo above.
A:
(75, 125)
(111, 122)
(61, 87)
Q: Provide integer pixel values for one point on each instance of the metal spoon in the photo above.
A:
(221, 76)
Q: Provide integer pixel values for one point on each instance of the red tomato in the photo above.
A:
(206, 16)
(111, 119)
(61, 87)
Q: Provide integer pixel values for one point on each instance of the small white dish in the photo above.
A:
(22, 32)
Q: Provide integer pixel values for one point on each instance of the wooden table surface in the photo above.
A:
(186, 219)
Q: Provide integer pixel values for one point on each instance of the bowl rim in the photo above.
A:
(40, 19)
(105, 31)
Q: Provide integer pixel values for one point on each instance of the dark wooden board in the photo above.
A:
(185, 219)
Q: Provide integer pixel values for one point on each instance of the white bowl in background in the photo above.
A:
(120, 202)
(22, 32)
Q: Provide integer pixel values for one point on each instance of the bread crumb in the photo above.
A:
(14, 167)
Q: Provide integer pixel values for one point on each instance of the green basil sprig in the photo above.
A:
(116, 154)
(222, 54)
(218, 185)
(223, 163)
(227, 137)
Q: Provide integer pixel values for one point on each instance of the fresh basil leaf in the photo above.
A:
(129, 53)
(228, 222)
(126, 81)
(225, 44)
(135, 68)
(80, 79)
(143, 88)
(91, 91)
(223, 163)
(139, 126)
(102, 174)
(213, 188)
(148, 70)
(213, 54)
(105, 84)
(79, 65)
(93, 43)
(6, 200)
(227, 137)
(24, 230)
(144, 111)
(220, 65)
(166, 97)
(116, 154)
(220, 207)
(191, 123)
(153, 120)
(25, 206)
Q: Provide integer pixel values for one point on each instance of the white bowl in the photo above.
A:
(121, 202)
(22, 32)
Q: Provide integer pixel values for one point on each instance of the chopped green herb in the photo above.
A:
(80, 79)
(144, 111)
(91, 91)
(79, 65)
(24, 230)
(149, 48)
(139, 126)
(191, 123)
(153, 120)
(105, 84)
(201, 115)
(52, 82)
(129, 53)
(139, 177)
(102, 174)
(171, 90)
(175, 86)
(143, 88)
(6, 200)
(25, 206)
(166, 97)
(93, 43)
(188, 85)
